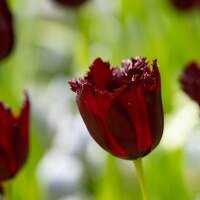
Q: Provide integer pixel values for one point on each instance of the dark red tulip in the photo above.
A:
(6, 30)
(14, 140)
(71, 3)
(190, 81)
(184, 4)
(122, 107)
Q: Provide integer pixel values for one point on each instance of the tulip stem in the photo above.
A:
(8, 191)
(141, 179)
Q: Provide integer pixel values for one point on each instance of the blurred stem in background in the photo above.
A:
(141, 178)
(7, 186)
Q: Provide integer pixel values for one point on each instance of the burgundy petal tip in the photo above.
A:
(4, 107)
(98, 59)
(2, 104)
(99, 73)
(192, 64)
(98, 62)
(155, 61)
(76, 84)
(26, 102)
(154, 64)
(73, 85)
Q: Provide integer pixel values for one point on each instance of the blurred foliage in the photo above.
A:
(53, 41)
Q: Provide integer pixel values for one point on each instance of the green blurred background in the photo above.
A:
(54, 44)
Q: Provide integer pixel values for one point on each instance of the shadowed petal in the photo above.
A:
(21, 135)
(155, 115)
(93, 109)
(6, 155)
(128, 121)
(13, 140)
(4, 167)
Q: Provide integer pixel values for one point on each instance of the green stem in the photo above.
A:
(141, 179)
(7, 186)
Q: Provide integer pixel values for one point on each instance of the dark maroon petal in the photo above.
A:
(5, 139)
(183, 4)
(99, 74)
(127, 119)
(13, 140)
(190, 81)
(6, 30)
(155, 115)
(21, 135)
(71, 3)
(93, 109)
(153, 101)
(4, 167)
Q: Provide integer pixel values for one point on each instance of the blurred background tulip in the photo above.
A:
(183, 4)
(71, 3)
(6, 29)
(190, 81)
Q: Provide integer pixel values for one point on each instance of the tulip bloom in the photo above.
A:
(71, 3)
(6, 30)
(190, 81)
(184, 4)
(14, 140)
(122, 107)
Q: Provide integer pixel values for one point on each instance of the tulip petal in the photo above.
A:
(5, 138)
(99, 74)
(4, 167)
(13, 140)
(93, 110)
(155, 115)
(20, 135)
(127, 119)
